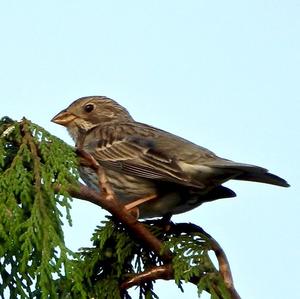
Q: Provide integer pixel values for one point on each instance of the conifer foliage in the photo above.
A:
(38, 172)
(32, 250)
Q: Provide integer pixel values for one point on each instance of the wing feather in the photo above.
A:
(136, 155)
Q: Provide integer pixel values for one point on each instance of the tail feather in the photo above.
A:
(267, 178)
(248, 172)
(217, 193)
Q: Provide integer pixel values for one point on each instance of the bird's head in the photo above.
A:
(88, 112)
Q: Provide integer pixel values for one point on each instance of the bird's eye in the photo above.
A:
(88, 108)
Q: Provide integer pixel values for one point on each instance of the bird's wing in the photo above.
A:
(132, 150)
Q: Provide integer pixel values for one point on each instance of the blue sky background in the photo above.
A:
(224, 74)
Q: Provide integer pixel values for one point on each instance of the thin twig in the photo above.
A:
(224, 267)
(160, 272)
(165, 272)
(89, 160)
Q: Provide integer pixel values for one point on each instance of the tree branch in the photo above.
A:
(137, 229)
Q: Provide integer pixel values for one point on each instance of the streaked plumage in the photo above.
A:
(141, 160)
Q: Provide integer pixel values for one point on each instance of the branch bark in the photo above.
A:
(160, 272)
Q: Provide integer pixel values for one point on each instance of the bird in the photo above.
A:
(172, 175)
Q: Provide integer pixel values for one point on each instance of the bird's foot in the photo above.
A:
(165, 222)
(135, 212)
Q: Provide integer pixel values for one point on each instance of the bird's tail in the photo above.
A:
(247, 172)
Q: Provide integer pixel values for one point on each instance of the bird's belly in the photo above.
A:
(171, 198)
(163, 205)
(127, 188)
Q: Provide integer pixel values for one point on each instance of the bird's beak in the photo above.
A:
(63, 118)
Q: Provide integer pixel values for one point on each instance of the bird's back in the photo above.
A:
(199, 166)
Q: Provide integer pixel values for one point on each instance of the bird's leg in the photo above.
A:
(139, 201)
(132, 207)
(165, 222)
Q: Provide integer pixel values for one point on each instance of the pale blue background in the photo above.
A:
(224, 74)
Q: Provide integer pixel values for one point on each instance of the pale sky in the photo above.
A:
(223, 74)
